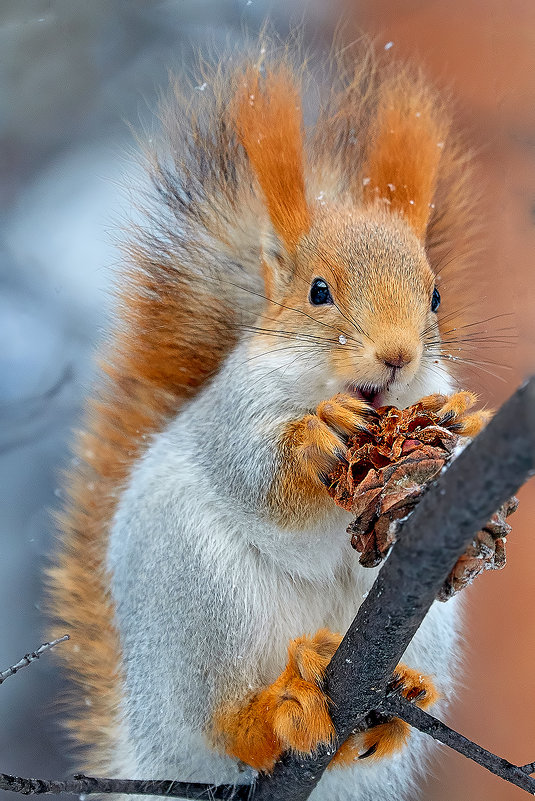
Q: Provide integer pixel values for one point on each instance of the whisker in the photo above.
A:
(479, 365)
(296, 335)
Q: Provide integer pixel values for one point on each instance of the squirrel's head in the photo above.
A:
(352, 308)
(352, 298)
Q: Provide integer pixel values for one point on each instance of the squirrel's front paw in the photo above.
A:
(455, 410)
(389, 735)
(322, 434)
(302, 720)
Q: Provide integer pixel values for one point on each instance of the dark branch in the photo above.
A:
(85, 785)
(27, 659)
(396, 705)
(489, 471)
(390, 705)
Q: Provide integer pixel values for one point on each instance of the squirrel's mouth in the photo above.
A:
(370, 394)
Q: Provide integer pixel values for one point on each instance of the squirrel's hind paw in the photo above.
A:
(302, 720)
(390, 735)
(292, 713)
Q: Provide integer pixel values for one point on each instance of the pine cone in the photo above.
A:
(388, 468)
(486, 552)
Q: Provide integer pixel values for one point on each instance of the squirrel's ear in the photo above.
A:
(277, 265)
(269, 124)
(403, 156)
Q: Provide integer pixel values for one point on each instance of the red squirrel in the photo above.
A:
(283, 283)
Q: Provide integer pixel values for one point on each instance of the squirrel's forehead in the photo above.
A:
(365, 248)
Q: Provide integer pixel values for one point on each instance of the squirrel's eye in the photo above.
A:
(435, 300)
(319, 292)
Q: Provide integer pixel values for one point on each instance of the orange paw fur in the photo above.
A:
(455, 409)
(388, 737)
(302, 719)
(321, 443)
(292, 713)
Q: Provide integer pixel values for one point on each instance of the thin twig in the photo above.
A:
(86, 785)
(27, 659)
(399, 706)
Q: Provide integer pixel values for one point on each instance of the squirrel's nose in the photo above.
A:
(395, 357)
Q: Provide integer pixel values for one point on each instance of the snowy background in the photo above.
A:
(73, 76)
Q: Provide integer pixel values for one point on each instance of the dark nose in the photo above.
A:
(395, 357)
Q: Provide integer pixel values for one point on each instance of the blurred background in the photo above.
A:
(73, 76)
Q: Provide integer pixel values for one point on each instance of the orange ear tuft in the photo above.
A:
(269, 124)
(404, 154)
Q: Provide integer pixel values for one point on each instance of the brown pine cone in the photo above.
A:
(486, 552)
(388, 468)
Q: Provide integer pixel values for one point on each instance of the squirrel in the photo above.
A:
(283, 284)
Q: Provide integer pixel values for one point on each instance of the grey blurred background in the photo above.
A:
(73, 75)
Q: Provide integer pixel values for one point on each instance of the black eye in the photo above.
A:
(435, 300)
(319, 292)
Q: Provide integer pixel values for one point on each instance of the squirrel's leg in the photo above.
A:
(455, 409)
(390, 736)
(291, 713)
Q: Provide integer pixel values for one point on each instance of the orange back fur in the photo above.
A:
(189, 280)
(155, 363)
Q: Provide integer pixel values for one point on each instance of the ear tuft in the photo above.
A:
(269, 123)
(403, 157)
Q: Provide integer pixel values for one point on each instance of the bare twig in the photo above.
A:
(85, 785)
(396, 705)
(27, 659)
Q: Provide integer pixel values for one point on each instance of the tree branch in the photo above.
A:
(486, 473)
(390, 705)
(27, 659)
(399, 706)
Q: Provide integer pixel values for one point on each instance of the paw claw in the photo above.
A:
(414, 686)
(370, 752)
(456, 408)
(324, 434)
(395, 685)
(343, 413)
